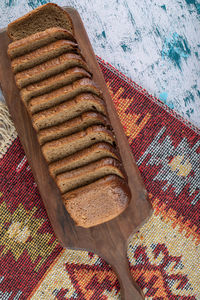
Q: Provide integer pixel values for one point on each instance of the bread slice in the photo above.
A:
(82, 158)
(98, 202)
(85, 175)
(52, 83)
(39, 19)
(43, 54)
(37, 40)
(69, 145)
(68, 110)
(73, 125)
(84, 85)
(49, 68)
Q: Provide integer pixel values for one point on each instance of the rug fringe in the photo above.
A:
(7, 129)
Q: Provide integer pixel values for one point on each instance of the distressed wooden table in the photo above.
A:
(156, 44)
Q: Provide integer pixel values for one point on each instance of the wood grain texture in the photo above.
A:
(108, 240)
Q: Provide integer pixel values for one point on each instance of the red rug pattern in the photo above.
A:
(167, 152)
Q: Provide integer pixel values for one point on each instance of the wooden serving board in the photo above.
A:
(110, 239)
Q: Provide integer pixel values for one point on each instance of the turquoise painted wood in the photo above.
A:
(155, 43)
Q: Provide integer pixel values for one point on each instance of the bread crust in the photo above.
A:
(66, 146)
(98, 202)
(67, 110)
(37, 40)
(87, 174)
(21, 22)
(49, 68)
(52, 83)
(51, 100)
(43, 54)
(71, 126)
(83, 157)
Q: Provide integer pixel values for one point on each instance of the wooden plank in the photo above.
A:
(110, 239)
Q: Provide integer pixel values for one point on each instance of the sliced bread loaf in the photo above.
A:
(84, 85)
(46, 16)
(37, 40)
(85, 175)
(71, 144)
(98, 202)
(52, 83)
(69, 114)
(73, 125)
(67, 110)
(49, 68)
(43, 54)
(82, 158)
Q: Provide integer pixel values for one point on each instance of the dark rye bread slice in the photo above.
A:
(85, 175)
(98, 202)
(39, 19)
(49, 68)
(52, 83)
(43, 54)
(82, 158)
(73, 125)
(69, 145)
(84, 85)
(37, 40)
(68, 110)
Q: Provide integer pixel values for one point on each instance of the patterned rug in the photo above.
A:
(163, 254)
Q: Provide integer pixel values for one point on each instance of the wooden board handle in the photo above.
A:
(115, 253)
(129, 290)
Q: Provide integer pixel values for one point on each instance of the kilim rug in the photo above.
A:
(163, 254)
